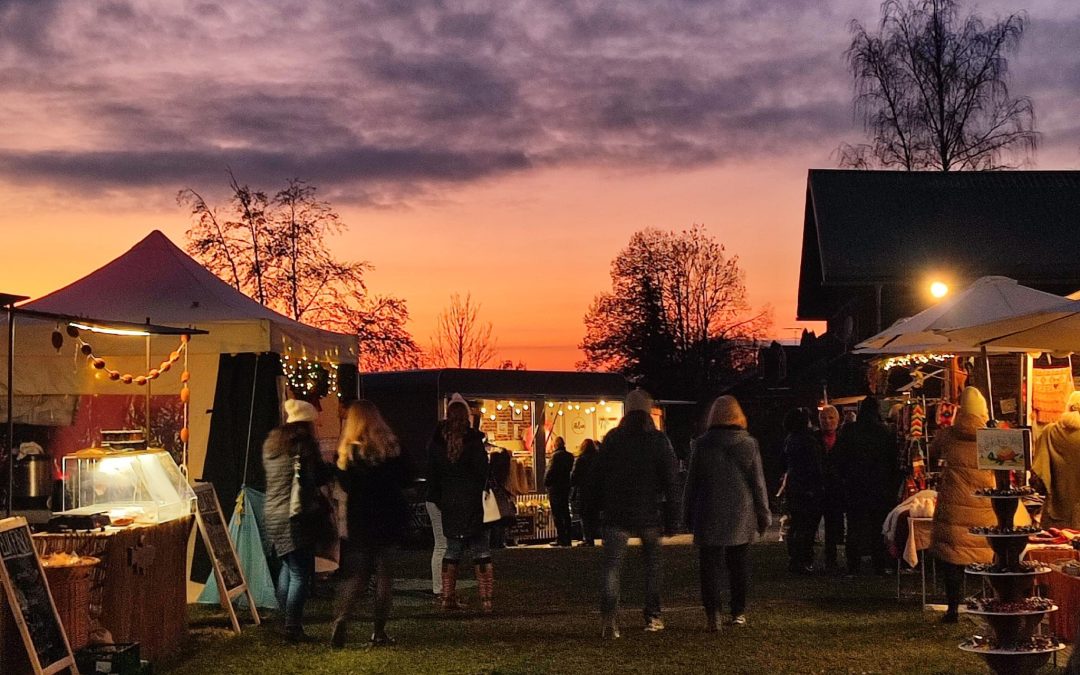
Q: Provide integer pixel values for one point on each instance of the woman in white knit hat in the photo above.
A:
(291, 450)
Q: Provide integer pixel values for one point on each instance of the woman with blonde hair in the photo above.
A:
(725, 506)
(374, 475)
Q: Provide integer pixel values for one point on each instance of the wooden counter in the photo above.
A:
(140, 591)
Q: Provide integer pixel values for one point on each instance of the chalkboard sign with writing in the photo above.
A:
(230, 577)
(28, 596)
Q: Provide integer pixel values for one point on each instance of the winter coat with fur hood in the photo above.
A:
(1057, 454)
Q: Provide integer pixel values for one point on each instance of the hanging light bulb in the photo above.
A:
(499, 406)
(550, 404)
(492, 418)
(524, 406)
(602, 401)
(483, 411)
(560, 413)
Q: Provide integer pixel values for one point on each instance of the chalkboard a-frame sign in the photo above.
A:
(31, 602)
(227, 571)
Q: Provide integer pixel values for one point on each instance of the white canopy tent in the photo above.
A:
(1054, 329)
(932, 330)
(155, 282)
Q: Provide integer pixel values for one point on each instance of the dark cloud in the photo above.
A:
(390, 98)
(109, 168)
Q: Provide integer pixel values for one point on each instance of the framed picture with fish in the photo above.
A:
(1004, 449)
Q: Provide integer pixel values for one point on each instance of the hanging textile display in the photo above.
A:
(1050, 388)
(945, 413)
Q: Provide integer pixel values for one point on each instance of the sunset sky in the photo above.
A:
(507, 149)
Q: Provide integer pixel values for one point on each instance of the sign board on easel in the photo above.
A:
(229, 575)
(1003, 449)
(31, 602)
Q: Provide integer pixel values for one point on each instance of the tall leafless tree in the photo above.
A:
(278, 250)
(677, 319)
(932, 91)
(461, 340)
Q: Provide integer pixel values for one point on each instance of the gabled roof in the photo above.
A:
(863, 228)
(155, 281)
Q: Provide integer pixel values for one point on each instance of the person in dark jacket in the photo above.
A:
(832, 495)
(634, 485)
(557, 482)
(459, 472)
(867, 451)
(291, 453)
(726, 506)
(580, 481)
(374, 476)
(803, 486)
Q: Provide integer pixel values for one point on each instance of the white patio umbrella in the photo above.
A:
(1052, 329)
(933, 330)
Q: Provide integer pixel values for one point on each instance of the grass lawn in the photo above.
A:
(546, 621)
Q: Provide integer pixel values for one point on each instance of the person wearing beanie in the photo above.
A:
(634, 486)
(725, 506)
(870, 483)
(292, 525)
(958, 509)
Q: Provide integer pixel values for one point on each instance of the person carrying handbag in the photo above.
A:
(294, 475)
(458, 476)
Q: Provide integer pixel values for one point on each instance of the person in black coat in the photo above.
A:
(580, 480)
(867, 451)
(458, 475)
(374, 476)
(803, 487)
(291, 453)
(634, 488)
(557, 482)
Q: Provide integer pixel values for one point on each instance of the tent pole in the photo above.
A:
(251, 418)
(10, 408)
(149, 384)
(989, 385)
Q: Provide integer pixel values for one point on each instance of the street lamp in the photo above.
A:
(939, 289)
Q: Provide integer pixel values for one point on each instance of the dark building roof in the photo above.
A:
(864, 228)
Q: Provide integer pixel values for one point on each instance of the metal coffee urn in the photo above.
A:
(32, 482)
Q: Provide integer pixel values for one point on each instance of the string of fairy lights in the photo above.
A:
(307, 376)
(914, 360)
(558, 408)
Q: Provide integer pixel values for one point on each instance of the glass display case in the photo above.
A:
(140, 486)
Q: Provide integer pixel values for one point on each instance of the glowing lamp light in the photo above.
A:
(483, 411)
(939, 289)
(498, 407)
(492, 418)
(560, 413)
(524, 406)
(550, 404)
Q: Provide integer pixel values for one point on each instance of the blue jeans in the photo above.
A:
(294, 585)
(615, 546)
(478, 546)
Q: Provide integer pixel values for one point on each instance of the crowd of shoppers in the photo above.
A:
(625, 487)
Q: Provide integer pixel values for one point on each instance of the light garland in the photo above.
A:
(914, 360)
(98, 363)
(305, 375)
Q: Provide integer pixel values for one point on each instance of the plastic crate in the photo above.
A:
(114, 659)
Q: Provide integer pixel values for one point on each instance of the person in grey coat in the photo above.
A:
(725, 506)
(291, 450)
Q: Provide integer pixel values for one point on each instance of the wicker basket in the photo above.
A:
(70, 588)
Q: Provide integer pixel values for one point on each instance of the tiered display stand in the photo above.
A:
(1013, 614)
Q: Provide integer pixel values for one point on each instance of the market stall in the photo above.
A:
(121, 505)
(520, 412)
